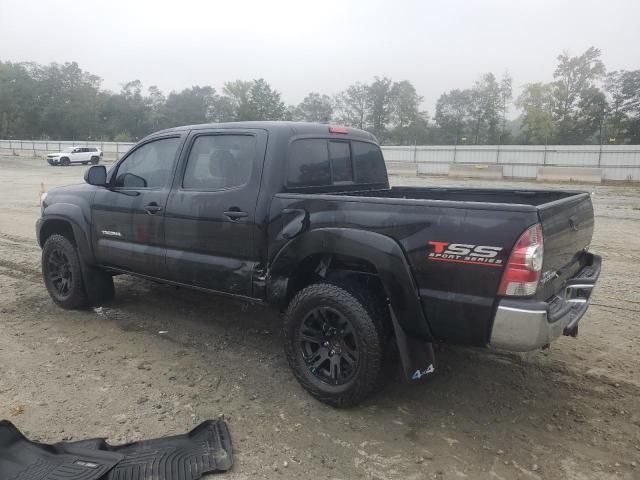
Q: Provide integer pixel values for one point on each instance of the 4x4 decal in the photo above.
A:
(485, 255)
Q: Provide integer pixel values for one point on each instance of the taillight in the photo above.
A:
(521, 275)
(342, 130)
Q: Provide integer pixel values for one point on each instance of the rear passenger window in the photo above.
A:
(308, 164)
(369, 163)
(220, 161)
(340, 155)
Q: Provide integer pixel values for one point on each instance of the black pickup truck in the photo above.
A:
(301, 216)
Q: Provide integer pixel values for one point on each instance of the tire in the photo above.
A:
(314, 329)
(65, 162)
(62, 273)
(95, 160)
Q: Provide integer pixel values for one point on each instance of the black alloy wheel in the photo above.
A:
(336, 342)
(60, 272)
(328, 345)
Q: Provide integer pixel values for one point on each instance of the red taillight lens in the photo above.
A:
(338, 130)
(521, 275)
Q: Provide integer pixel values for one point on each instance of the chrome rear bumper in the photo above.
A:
(525, 325)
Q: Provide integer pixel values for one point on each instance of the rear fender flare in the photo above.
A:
(381, 251)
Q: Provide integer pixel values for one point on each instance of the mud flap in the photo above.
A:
(98, 284)
(206, 449)
(418, 358)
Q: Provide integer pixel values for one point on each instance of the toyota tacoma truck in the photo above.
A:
(302, 217)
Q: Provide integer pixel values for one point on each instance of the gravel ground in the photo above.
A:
(569, 412)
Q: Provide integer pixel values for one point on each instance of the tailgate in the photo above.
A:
(567, 226)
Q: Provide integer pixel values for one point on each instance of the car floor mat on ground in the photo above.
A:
(22, 459)
(206, 449)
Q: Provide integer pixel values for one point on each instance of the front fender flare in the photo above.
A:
(73, 215)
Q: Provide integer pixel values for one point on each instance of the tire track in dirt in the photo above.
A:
(19, 258)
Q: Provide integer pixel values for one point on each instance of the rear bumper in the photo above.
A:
(525, 325)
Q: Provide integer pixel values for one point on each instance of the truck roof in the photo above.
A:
(294, 128)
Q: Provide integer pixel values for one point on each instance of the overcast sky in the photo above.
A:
(323, 46)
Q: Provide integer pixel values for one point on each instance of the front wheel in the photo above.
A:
(334, 344)
(62, 273)
(65, 162)
(95, 160)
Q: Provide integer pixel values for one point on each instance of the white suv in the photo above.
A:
(71, 155)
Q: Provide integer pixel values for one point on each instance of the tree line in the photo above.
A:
(583, 104)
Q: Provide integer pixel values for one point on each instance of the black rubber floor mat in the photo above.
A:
(206, 449)
(22, 459)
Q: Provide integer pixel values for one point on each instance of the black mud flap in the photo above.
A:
(418, 358)
(206, 449)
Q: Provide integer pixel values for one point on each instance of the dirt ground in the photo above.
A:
(571, 412)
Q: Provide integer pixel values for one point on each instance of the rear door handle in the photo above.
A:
(153, 208)
(234, 215)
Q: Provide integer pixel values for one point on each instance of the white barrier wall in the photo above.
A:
(617, 162)
(39, 148)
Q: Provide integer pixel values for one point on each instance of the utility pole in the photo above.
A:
(600, 136)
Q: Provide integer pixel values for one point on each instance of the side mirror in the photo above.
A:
(96, 175)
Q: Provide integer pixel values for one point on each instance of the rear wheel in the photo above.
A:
(334, 344)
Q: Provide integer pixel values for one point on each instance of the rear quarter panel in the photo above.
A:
(458, 298)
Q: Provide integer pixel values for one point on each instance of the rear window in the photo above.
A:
(321, 162)
(369, 163)
(340, 155)
(308, 164)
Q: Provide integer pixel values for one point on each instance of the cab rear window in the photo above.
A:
(308, 164)
(369, 163)
(322, 162)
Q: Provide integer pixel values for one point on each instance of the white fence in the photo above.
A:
(613, 162)
(39, 148)
(610, 162)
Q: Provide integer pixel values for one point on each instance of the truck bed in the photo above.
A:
(534, 198)
(460, 299)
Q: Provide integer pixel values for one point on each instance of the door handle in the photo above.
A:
(234, 215)
(153, 208)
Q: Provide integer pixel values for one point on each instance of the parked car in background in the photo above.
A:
(83, 155)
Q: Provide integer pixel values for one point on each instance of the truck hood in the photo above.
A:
(71, 189)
